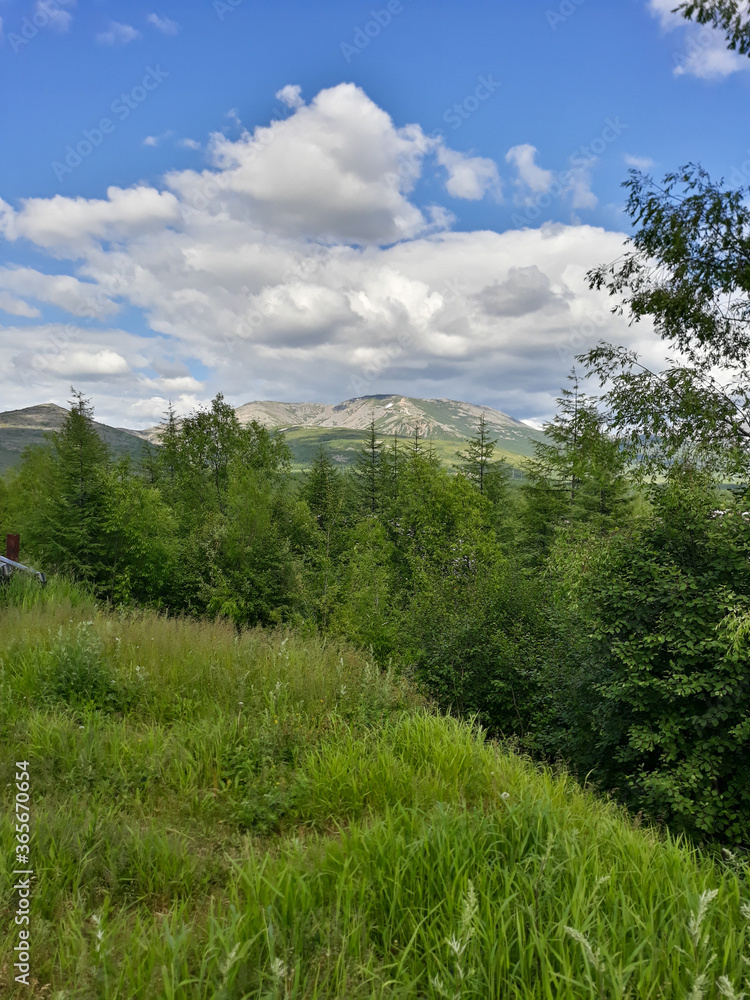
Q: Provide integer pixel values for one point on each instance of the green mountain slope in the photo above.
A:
(266, 817)
(21, 428)
(339, 428)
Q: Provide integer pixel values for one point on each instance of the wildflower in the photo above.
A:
(505, 796)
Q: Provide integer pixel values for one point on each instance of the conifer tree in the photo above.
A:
(476, 461)
(579, 473)
(368, 471)
(72, 526)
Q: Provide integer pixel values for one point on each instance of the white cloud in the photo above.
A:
(709, 59)
(155, 140)
(469, 177)
(17, 307)
(523, 157)
(639, 162)
(290, 95)
(704, 51)
(301, 267)
(64, 291)
(117, 34)
(58, 20)
(662, 9)
(84, 364)
(59, 223)
(164, 24)
(189, 143)
(335, 169)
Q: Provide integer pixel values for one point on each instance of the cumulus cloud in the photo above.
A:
(703, 52)
(469, 177)
(117, 34)
(62, 290)
(301, 266)
(163, 24)
(290, 95)
(524, 291)
(60, 223)
(17, 307)
(84, 364)
(530, 174)
(336, 169)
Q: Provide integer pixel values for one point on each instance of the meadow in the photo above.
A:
(268, 814)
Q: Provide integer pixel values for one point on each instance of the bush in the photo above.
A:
(75, 674)
(667, 670)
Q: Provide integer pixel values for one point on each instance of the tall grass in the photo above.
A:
(264, 816)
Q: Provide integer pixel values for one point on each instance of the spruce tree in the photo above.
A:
(368, 472)
(579, 473)
(73, 522)
(476, 461)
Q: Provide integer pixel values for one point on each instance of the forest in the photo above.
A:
(596, 615)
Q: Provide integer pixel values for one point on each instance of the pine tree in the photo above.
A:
(368, 472)
(476, 461)
(579, 473)
(73, 523)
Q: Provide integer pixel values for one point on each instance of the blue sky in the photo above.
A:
(311, 201)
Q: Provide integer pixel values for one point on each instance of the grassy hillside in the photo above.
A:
(344, 445)
(21, 428)
(267, 816)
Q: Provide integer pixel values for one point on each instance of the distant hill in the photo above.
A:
(339, 427)
(440, 418)
(21, 428)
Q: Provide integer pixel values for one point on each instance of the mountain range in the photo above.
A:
(21, 428)
(307, 426)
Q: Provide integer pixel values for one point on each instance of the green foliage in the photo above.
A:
(73, 672)
(68, 524)
(688, 273)
(477, 463)
(727, 15)
(668, 662)
(577, 475)
(368, 472)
